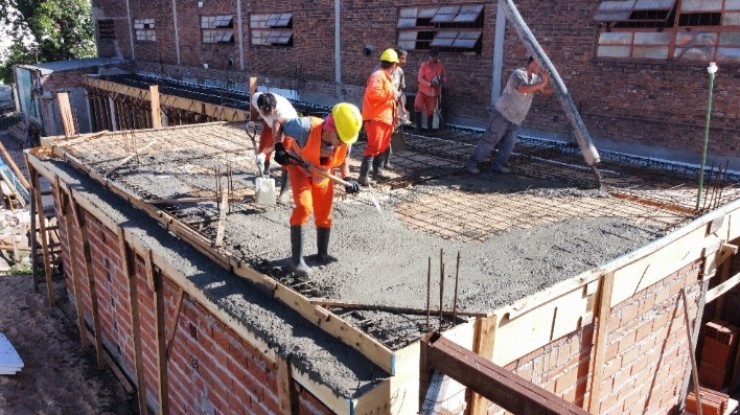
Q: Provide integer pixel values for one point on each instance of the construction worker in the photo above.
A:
(432, 75)
(510, 110)
(323, 144)
(379, 114)
(271, 107)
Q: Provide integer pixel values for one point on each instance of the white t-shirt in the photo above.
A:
(283, 109)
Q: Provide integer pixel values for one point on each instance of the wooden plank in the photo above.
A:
(692, 351)
(44, 236)
(65, 113)
(80, 224)
(483, 341)
(604, 312)
(223, 210)
(121, 89)
(128, 268)
(654, 266)
(341, 330)
(159, 317)
(252, 90)
(139, 152)
(722, 288)
(156, 111)
(14, 167)
(287, 393)
(64, 205)
(490, 380)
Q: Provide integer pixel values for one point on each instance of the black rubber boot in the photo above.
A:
(322, 241)
(387, 159)
(418, 120)
(296, 245)
(284, 197)
(267, 168)
(378, 173)
(364, 178)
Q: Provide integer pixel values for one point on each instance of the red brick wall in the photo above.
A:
(210, 366)
(658, 104)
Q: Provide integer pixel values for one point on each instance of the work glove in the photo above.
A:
(282, 156)
(260, 160)
(435, 82)
(352, 186)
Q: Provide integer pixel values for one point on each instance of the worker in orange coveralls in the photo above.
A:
(432, 76)
(322, 143)
(379, 114)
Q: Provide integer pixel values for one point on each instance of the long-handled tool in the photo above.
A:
(264, 187)
(314, 169)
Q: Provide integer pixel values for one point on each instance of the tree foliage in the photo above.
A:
(46, 31)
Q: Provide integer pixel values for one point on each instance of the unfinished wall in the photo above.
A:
(208, 366)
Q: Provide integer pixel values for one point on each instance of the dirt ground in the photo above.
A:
(58, 378)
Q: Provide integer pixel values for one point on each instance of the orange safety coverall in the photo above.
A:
(312, 192)
(426, 99)
(379, 112)
(266, 139)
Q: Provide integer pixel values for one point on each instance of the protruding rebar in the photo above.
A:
(429, 285)
(441, 287)
(454, 301)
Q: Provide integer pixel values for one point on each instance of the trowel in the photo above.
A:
(264, 186)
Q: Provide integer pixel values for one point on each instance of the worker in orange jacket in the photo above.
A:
(432, 76)
(322, 143)
(379, 114)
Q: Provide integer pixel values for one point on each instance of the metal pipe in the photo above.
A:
(337, 50)
(712, 69)
(590, 154)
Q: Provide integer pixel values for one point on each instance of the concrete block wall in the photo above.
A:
(210, 367)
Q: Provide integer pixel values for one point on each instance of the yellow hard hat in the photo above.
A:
(389, 55)
(348, 121)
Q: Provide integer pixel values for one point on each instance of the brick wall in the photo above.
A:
(659, 104)
(210, 367)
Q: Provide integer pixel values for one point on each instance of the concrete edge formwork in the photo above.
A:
(541, 318)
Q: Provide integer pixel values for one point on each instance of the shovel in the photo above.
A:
(314, 169)
(264, 187)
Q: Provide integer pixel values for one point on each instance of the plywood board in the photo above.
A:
(10, 361)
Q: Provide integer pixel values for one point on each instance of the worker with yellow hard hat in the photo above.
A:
(380, 116)
(320, 143)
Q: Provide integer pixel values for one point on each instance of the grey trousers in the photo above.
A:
(501, 132)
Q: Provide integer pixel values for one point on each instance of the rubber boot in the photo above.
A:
(378, 173)
(284, 196)
(418, 120)
(387, 159)
(322, 241)
(296, 245)
(267, 168)
(424, 121)
(364, 178)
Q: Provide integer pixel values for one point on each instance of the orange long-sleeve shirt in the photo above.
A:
(427, 73)
(379, 101)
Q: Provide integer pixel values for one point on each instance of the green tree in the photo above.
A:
(46, 31)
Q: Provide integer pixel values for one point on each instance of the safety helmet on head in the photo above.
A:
(348, 121)
(389, 55)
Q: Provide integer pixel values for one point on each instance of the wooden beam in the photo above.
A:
(604, 311)
(483, 341)
(80, 224)
(65, 113)
(156, 111)
(44, 236)
(692, 350)
(353, 305)
(252, 90)
(128, 266)
(287, 393)
(138, 152)
(64, 207)
(159, 315)
(14, 167)
(493, 382)
(722, 288)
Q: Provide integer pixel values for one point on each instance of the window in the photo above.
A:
(690, 31)
(272, 29)
(106, 30)
(217, 29)
(449, 28)
(145, 30)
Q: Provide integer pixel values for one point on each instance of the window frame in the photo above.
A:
(696, 35)
(146, 28)
(451, 28)
(217, 29)
(108, 32)
(271, 29)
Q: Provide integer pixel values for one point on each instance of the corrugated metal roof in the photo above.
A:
(70, 65)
